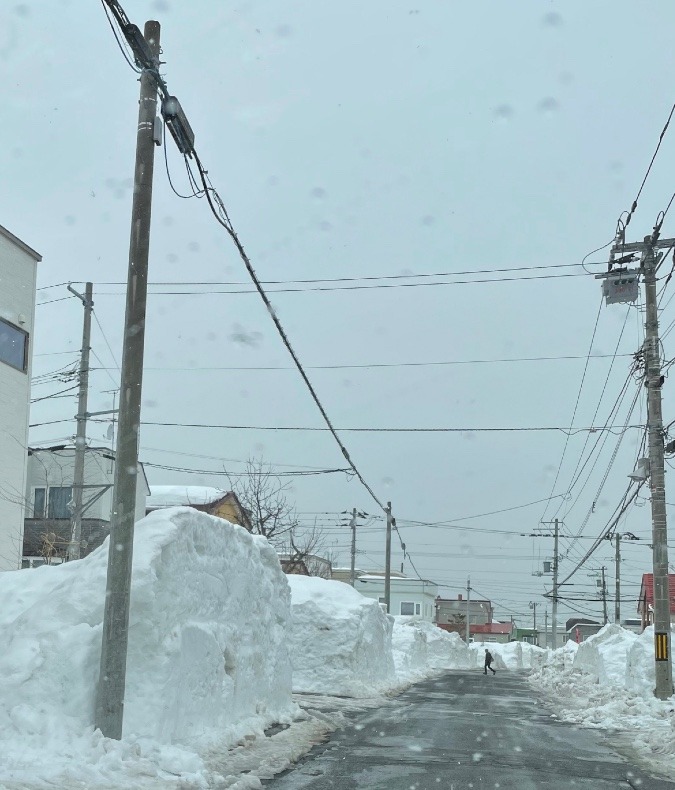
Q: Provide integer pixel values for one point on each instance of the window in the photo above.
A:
(13, 346)
(417, 608)
(407, 608)
(39, 503)
(382, 600)
(56, 506)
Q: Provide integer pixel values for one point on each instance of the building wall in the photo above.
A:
(57, 468)
(402, 591)
(18, 272)
(454, 611)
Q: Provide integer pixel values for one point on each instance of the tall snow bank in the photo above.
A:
(422, 649)
(603, 656)
(511, 655)
(340, 641)
(207, 660)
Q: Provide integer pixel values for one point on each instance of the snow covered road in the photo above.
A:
(464, 730)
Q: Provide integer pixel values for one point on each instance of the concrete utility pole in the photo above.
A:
(554, 613)
(81, 433)
(621, 286)
(533, 606)
(604, 597)
(112, 679)
(468, 610)
(387, 561)
(545, 627)
(352, 524)
(617, 574)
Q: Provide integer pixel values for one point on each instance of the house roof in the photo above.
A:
(21, 244)
(492, 628)
(179, 496)
(395, 577)
(647, 590)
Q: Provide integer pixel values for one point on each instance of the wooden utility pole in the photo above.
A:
(352, 524)
(554, 613)
(75, 546)
(109, 712)
(617, 574)
(621, 286)
(387, 561)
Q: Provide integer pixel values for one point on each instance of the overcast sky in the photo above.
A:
(363, 140)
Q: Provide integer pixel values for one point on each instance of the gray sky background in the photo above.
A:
(360, 139)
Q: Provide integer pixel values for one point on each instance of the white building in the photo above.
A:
(49, 493)
(18, 273)
(412, 597)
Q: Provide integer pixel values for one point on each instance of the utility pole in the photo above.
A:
(554, 613)
(81, 433)
(545, 627)
(533, 606)
(468, 610)
(604, 597)
(621, 286)
(617, 574)
(352, 524)
(109, 712)
(387, 561)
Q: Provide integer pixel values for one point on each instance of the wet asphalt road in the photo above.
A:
(465, 730)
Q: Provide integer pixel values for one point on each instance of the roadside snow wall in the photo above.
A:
(421, 648)
(340, 641)
(207, 658)
(604, 655)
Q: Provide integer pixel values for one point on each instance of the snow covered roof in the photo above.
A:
(180, 496)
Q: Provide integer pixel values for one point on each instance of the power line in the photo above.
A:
(376, 365)
(331, 429)
(224, 220)
(438, 283)
(644, 180)
(362, 278)
(576, 406)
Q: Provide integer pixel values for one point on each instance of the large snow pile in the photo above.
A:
(340, 641)
(609, 684)
(207, 662)
(510, 655)
(421, 649)
(604, 655)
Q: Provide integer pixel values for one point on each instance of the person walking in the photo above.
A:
(488, 663)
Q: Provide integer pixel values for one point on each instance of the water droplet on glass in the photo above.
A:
(547, 106)
(552, 19)
(504, 112)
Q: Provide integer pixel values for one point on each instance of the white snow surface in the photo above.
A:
(182, 496)
(607, 682)
(207, 666)
(340, 641)
(422, 649)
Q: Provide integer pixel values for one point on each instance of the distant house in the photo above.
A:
(578, 629)
(645, 604)
(214, 501)
(294, 566)
(492, 632)
(451, 613)
(409, 596)
(345, 574)
(49, 495)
